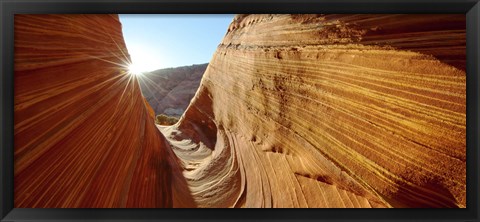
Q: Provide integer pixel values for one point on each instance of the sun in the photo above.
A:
(135, 69)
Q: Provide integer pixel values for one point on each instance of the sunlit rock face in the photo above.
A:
(292, 111)
(83, 136)
(329, 111)
(169, 91)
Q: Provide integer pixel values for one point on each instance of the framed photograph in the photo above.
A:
(292, 110)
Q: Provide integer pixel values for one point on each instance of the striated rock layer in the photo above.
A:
(292, 111)
(329, 111)
(83, 136)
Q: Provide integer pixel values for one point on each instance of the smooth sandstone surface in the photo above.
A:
(292, 111)
(330, 111)
(83, 136)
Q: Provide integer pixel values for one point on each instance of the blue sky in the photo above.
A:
(162, 41)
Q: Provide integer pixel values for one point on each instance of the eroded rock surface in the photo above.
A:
(83, 136)
(293, 111)
(330, 111)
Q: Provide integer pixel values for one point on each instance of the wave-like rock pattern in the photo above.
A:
(83, 136)
(293, 111)
(329, 111)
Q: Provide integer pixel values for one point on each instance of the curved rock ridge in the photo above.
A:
(329, 111)
(83, 136)
(292, 111)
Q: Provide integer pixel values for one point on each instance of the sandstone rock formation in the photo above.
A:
(330, 111)
(292, 111)
(170, 90)
(83, 136)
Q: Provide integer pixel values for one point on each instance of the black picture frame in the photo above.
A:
(8, 8)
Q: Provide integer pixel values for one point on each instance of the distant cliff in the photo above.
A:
(170, 90)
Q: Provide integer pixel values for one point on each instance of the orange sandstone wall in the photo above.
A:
(330, 111)
(293, 111)
(83, 137)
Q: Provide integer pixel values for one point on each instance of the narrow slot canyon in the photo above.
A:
(292, 111)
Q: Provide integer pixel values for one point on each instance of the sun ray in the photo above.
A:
(149, 86)
(109, 61)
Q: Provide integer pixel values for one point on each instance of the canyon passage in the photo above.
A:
(317, 111)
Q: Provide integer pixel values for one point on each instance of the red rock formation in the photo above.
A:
(150, 110)
(83, 137)
(330, 111)
(293, 111)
